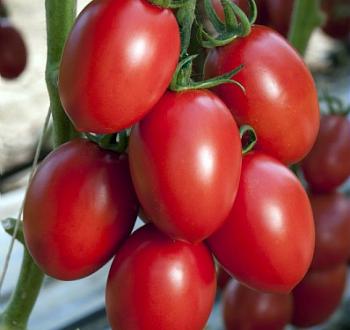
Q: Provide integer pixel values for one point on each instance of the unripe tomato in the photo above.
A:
(328, 164)
(185, 161)
(332, 223)
(13, 52)
(280, 99)
(79, 207)
(117, 62)
(247, 309)
(156, 282)
(267, 241)
(318, 296)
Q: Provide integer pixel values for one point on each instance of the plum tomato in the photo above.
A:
(13, 51)
(280, 99)
(247, 309)
(269, 228)
(318, 295)
(79, 207)
(185, 160)
(328, 164)
(156, 282)
(117, 62)
(332, 225)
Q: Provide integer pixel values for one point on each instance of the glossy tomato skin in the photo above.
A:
(280, 99)
(13, 51)
(318, 296)
(118, 61)
(269, 228)
(332, 223)
(159, 283)
(185, 160)
(247, 309)
(80, 206)
(328, 164)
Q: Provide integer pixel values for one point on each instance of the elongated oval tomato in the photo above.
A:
(280, 100)
(13, 51)
(247, 309)
(185, 160)
(332, 222)
(327, 165)
(80, 206)
(118, 61)
(158, 283)
(269, 228)
(318, 295)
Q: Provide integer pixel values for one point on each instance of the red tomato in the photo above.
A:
(159, 283)
(332, 223)
(222, 278)
(13, 52)
(246, 309)
(337, 24)
(318, 295)
(80, 206)
(118, 61)
(280, 101)
(185, 161)
(270, 228)
(328, 164)
(280, 13)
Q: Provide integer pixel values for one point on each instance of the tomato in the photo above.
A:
(159, 283)
(269, 228)
(280, 13)
(185, 160)
(328, 164)
(13, 52)
(318, 295)
(332, 222)
(280, 100)
(337, 24)
(79, 207)
(118, 61)
(246, 309)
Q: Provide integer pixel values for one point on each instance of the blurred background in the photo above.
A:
(23, 107)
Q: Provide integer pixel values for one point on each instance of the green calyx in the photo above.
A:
(236, 23)
(173, 4)
(182, 77)
(117, 142)
(248, 138)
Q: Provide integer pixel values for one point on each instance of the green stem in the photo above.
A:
(16, 315)
(306, 16)
(60, 15)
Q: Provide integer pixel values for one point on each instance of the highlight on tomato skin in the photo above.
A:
(13, 51)
(269, 228)
(247, 309)
(280, 100)
(327, 166)
(332, 222)
(114, 69)
(185, 161)
(318, 295)
(156, 282)
(79, 208)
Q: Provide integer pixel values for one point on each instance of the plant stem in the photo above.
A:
(60, 15)
(306, 16)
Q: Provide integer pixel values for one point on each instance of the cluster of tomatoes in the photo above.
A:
(13, 52)
(183, 165)
(318, 295)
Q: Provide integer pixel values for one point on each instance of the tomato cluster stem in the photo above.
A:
(60, 16)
